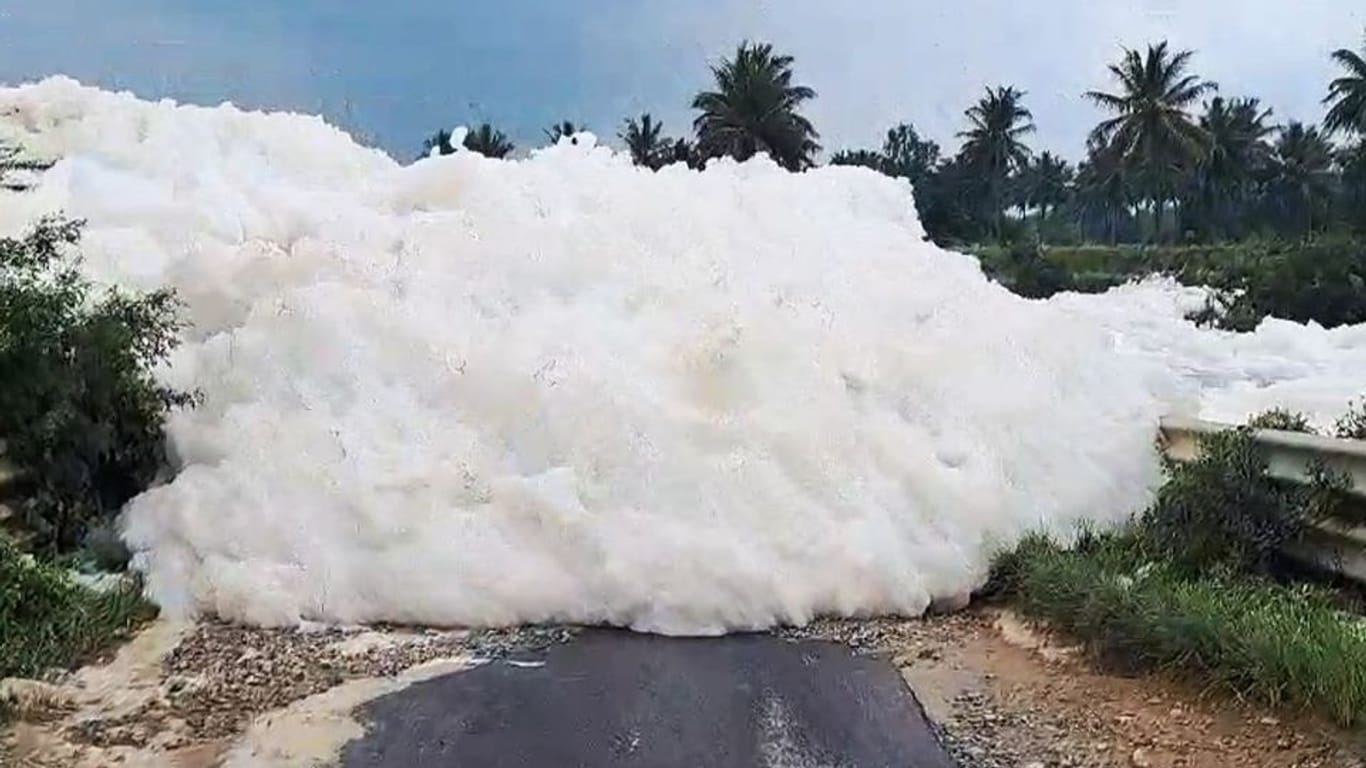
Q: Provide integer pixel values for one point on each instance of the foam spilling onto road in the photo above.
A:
(479, 392)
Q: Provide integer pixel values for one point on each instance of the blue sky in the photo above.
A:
(393, 72)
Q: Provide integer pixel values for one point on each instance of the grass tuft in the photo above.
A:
(1285, 645)
(48, 620)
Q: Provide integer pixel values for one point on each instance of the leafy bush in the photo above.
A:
(80, 414)
(1223, 511)
(48, 620)
(1024, 270)
(1281, 419)
(1352, 424)
(1320, 282)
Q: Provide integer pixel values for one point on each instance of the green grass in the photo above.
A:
(1285, 645)
(49, 620)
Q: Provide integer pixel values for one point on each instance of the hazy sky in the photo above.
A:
(395, 71)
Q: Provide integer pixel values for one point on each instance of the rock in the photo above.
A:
(32, 696)
(1140, 758)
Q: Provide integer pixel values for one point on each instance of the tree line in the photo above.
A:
(1172, 160)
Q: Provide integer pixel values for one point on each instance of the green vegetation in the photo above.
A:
(1281, 419)
(48, 620)
(80, 414)
(754, 108)
(81, 420)
(1322, 281)
(1171, 163)
(1196, 584)
(1286, 645)
(562, 129)
(1273, 216)
(485, 140)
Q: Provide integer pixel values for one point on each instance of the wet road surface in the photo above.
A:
(612, 698)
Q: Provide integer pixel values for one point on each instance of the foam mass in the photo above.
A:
(478, 392)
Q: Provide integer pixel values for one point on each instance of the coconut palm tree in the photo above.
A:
(489, 142)
(865, 158)
(1352, 162)
(561, 129)
(682, 151)
(1347, 95)
(1104, 194)
(440, 141)
(645, 141)
(1236, 155)
(755, 109)
(1049, 183)
(1152, 128)
(1301, 175)
(993, 145)
(907, 155)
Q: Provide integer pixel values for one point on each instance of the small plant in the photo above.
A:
(1025, 269)
(1223, 511)
(1281, 419)
(47, 620)
(80, 413)
(1352, 424)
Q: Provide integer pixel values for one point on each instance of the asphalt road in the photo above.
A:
(612, 698)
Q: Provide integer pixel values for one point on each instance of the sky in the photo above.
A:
(394, 72)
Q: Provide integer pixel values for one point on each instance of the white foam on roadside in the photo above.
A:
(478, 392)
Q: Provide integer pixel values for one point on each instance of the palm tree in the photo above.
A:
(907, 155)
(1104, 193)
(1050, 180)
(865, 158)
(993, 145)
(1236, 154)
(1352, 162)
(489, 142)
(440, 141)
(1152, 129)
(645, 142)
(682, 151)
(755, 109)
(562, 129)
(1347, 95)
(1301, 174)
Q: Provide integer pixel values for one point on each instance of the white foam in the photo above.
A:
(477, 392)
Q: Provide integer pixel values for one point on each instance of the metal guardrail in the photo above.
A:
(1331, 545)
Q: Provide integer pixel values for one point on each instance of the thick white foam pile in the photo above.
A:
(478, 392)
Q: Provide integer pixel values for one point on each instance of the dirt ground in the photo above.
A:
(1007, 695)
(1002, 694)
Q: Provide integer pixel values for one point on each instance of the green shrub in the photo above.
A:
(1023, 269)
(1281, 419)
(1223, 511)
(48, 620)
(80, 414)
(1352, 424)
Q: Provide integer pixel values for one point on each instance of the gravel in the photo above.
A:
(221, 676)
